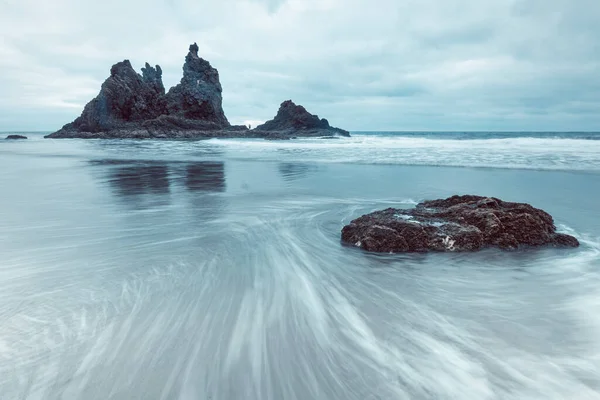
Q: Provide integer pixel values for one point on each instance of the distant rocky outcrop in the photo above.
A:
(294, 120)
(125, 98)
(131, 105)
(15, 137)
(199, 94)
(458, 223)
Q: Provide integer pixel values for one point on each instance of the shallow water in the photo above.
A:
(214, 270)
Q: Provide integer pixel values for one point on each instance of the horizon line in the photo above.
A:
(390, 131)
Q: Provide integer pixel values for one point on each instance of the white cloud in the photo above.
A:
(390, 64)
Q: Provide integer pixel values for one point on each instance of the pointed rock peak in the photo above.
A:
(150, 73)
(194, 50)
(122, 68)
(195, 64)
(198, 94)
(153, 77)
(197, 70)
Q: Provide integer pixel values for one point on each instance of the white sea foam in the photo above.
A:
(518, 152)
(119, 283)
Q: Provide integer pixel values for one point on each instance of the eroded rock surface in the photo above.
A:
(458, 223)
(134, 106)
(199, 94)
(292, 119)
(125, 98)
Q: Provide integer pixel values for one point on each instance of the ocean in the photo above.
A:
(214, 270)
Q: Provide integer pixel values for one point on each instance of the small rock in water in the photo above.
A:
(458, 223)
(293, 119)
(15, 137)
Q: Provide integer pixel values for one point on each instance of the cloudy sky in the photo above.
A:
(363, 64)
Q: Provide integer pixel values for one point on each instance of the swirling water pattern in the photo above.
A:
(213, 270)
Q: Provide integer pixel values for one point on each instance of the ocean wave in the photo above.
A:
(489, 135)
(514, 152)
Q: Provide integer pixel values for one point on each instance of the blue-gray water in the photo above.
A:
(213, 270)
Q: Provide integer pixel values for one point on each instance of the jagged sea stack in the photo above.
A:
(126, 98)
(199, 94)
(135, 106)
(294, 120)
(131, 105)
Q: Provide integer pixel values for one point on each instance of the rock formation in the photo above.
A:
(294, 120)
(125, 98)
(131, 105)
(458, 223)
(15, 137)
(199, 94)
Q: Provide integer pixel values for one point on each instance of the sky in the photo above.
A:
(395, 65)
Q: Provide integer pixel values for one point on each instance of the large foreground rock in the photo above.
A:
(458, 223)
(135, 106)
(294, 120)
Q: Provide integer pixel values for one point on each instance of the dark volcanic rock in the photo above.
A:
(15, 137)
(199, 94)
(134, 106)
(153, 78)
(131, 105)
(125, 98)
(458, 223)
(294, 120)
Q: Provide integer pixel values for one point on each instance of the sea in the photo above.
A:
(213, 269)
